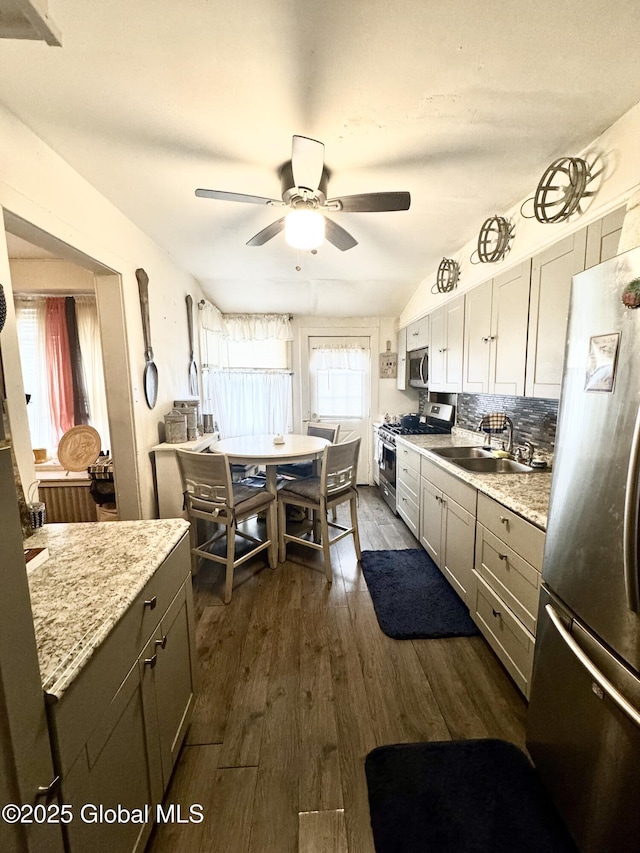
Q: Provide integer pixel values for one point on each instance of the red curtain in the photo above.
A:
(59, 367)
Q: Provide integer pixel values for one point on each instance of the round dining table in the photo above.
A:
(263, 450)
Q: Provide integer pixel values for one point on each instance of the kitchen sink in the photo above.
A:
(462, 452)
(490, 465)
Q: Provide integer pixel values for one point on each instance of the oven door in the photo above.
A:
(387, 474)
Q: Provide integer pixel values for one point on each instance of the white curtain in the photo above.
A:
(91, 349)
(338, 357)
(30, 322)
(250, 402)
(258, 327)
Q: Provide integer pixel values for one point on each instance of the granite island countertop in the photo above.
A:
(93, 574)
(525, 494)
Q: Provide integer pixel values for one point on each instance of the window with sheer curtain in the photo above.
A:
(247, 382)
(60, 353)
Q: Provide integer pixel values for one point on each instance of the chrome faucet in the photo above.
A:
(525, 453)
(508, 445)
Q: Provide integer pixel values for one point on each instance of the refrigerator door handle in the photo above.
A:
(608, 688)
(630, 525)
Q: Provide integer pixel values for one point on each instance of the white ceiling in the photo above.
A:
(461, 103)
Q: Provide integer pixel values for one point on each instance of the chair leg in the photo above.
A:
(282, 526)
(354, 524)
(326, 547)
(231, 550)
(272, 533)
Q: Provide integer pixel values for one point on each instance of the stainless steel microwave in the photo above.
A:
(419, 368)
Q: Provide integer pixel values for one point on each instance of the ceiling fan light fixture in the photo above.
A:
(304, 229)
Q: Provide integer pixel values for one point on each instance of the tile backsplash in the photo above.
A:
(533, 419)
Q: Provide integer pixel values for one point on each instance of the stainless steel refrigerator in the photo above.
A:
(583, 729)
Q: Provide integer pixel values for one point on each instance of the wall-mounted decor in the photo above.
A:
(447, 276)
(630, 295)
(494, 240)
(388, 365)
(560, 190)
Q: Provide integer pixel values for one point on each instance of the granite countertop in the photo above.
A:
(525, 494)
(93, 574)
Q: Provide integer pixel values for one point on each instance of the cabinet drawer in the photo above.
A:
(506, 635)
(457, 489)
(408, 509)
(407, 456)
(83, 703)
(409, 479)
(525, 539)
(509, 575)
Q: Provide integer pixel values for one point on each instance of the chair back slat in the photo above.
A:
(206, 479)
(339, 467)
(322, 430)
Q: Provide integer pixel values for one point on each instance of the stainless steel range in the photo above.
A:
(437, 419)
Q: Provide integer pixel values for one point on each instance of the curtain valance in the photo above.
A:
(245, 327)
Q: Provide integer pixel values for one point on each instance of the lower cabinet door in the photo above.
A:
(459, 541)
(431, 520)
(174, 678)
(108, 787)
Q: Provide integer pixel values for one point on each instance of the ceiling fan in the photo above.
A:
(304, 181)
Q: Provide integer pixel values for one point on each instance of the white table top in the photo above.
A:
(262, 450)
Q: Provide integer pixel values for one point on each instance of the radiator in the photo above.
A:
(66, 503)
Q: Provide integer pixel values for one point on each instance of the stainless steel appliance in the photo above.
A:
(583, 729)
(419, 368)
(437, 418)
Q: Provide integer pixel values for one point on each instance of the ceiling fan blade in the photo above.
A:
(267, 233)
(373, 202)
(307, 162)
(337, 235)
(221, 195)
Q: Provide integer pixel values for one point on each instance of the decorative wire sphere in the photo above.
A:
(493, 240)
(560, 190)
(447, 276)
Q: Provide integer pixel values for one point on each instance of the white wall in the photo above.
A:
(38, 275)
(616, 148)
(41, 188)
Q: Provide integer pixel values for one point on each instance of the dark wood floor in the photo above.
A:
(298, 683)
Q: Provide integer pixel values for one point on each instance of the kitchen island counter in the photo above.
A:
(93, 574)
(525, 494)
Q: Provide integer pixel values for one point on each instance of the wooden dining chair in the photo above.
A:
(295, 470)
(211, 495)
(335, 485)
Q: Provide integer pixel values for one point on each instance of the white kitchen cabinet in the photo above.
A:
(508, 565)
(447, 526)
(603, 237)
(408, 485)
(118, 727)
(401, 381)
(495, 333)
(551, 274)
(418, 334)
(446, 346)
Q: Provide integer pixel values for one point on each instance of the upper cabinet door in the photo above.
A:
(418, 334)
(603, 237)
(550, 291)
(454, 344)
(508, 338)
(436, 349)
(402, 360)
(477, 339)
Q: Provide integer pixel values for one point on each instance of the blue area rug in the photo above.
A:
(469, 796)
(411, 597)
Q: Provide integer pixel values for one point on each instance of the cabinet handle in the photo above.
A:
(486, 339)
(151, 603)
(162, 643)
(496, 613)
(151, 662)
(444, 349)
(46, 792)
(503, 557)
(504, 520)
